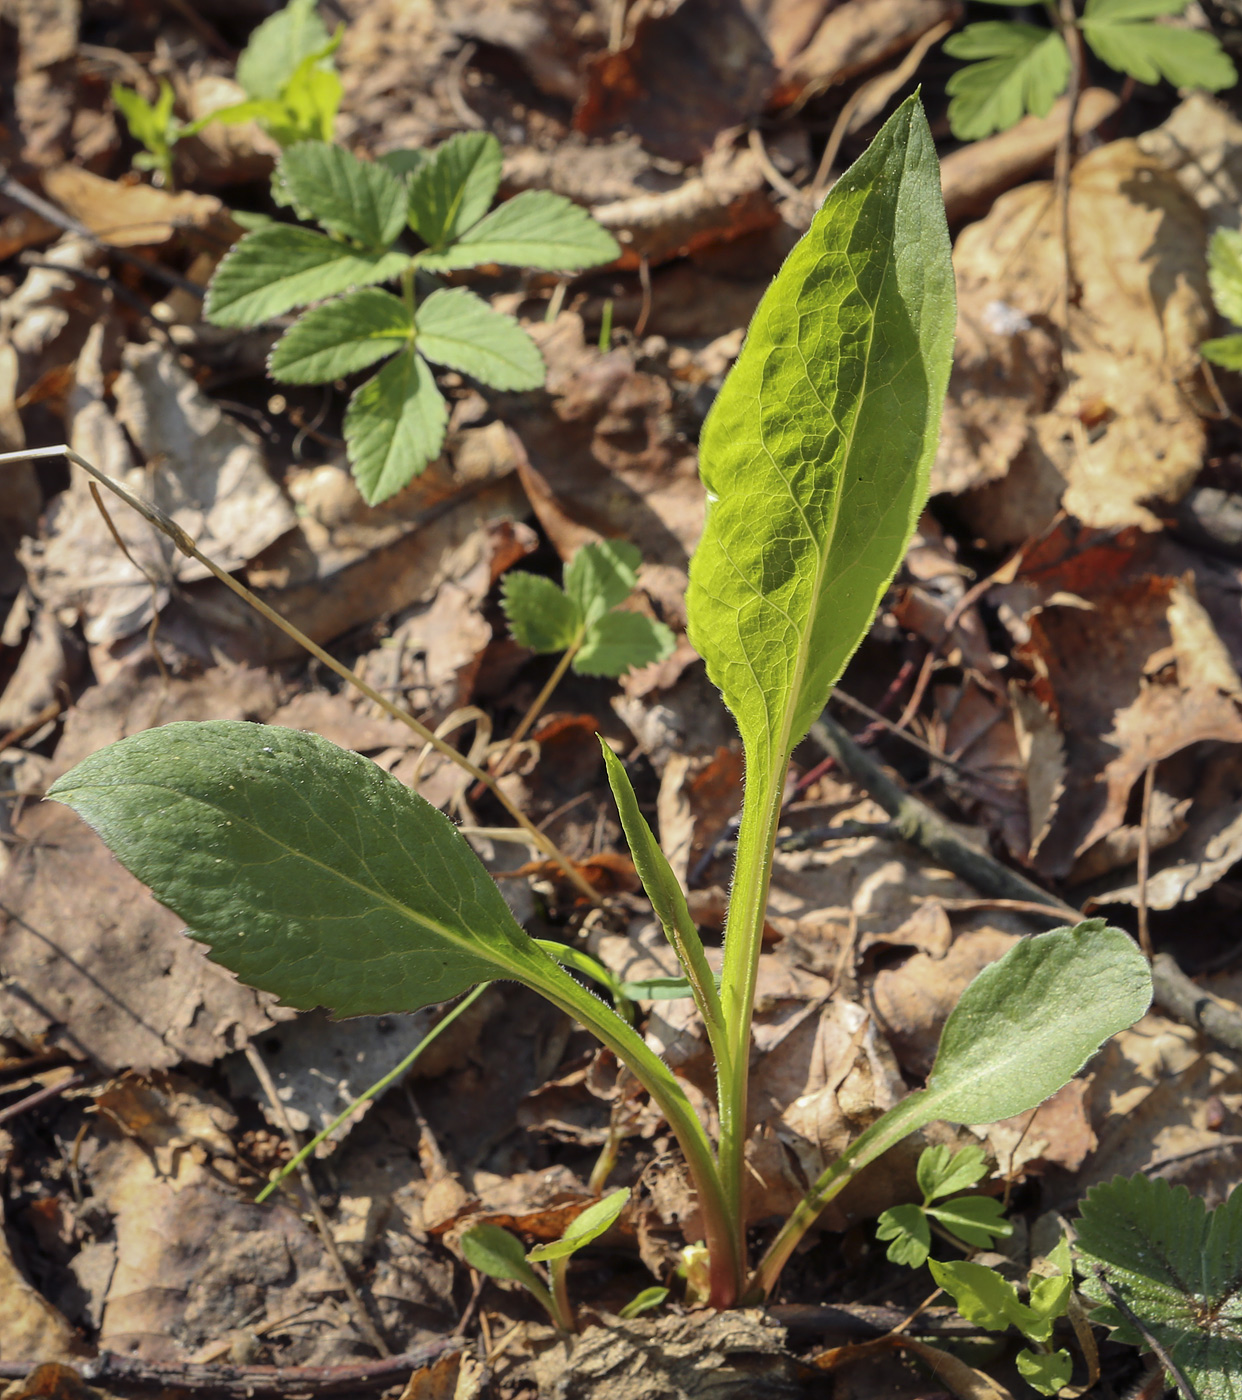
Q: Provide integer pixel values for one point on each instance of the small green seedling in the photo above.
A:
(1225, 277)
(315, 875)
(974, 1221)
(153, 125)
(990, 1301)
(1020, 68)
(499, 1254)
(1167, 1275)
(643, 1302)
(582, 620)
(396, 420)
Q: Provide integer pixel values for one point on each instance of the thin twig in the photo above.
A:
(644, 281)
(1144, 860)
(153, 515)
(1064, 170)
(41, 1096)
(363, 1317)
(904, 734)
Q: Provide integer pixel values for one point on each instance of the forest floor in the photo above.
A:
(1056, 670)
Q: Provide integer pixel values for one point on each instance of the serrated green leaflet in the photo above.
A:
(601, 575)
(458, 329)
(394, 426)
(361, 200)
(1177, 1266)
(533, 229)
(341, 337)
(1225, 273)
(1022, 68)
(584, 1228)
(1029, 1022)
(907, 1229)
(817, 450)
(280, 267)
(278, 45)
(306, 869)
(1117, 33)
(540, 615)
(453, 188)
(622, 641)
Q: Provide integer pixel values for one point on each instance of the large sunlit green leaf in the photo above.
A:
(1177, 1266)
(533, 229)
(306, 869)
(358, 199)
(1120, 33)
(281, 266)
(817, 451)
(341, 337)
(458, 329)
(453, 187)
(394, 426)
(1020, 68)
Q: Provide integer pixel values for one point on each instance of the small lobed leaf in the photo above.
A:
(601, 575)
(341, 337)
(906, 1226)
(1030, 1021)
(1178, 1268)
(585, 1227)
(1021, 68)
(941, 1171)
(979, 1220)
(458, 329)
(533, 229)
(541, 616)
(498, 1254)
(1225, 351)
(278, 45)
(279, 267)
(1225, 273)
(1118, 35)
(1046, 1372)
(454, 187)
(621, 642)
(307, 870)
(361, 200)
(394, 426)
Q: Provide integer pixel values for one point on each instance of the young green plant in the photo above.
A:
(971, 1221)
(396, 420)
(500, 1254)
(583, 620)
(313, 874)
(1018, 68)
(1225, 278)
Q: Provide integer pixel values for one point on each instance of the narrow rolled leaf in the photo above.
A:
(540, 615)
(498, 1254)
(279, 267)
(454, 187)
(941, 1171)
(643, 1302)
(394, 426)
(278, 45)
(1029, 1022)
(458, 329)
(584, 1228)
(621, 642)
(907, 1229)
(976, 1219)
(1023, 68)
(817, 451)
(657, 989)
(1225, 272)
(1117, 34)
(1225, 351)
(1177, 1266)
(601, 575)
(341, 337)
(307, 870)
(533, 229)
(357, 199)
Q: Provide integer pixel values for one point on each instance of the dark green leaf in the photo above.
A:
(584, 1228)
(279, 267)
(498, 1254)
(533, 229)
(621, 642)
(361, 200)
(1024, 69)
(453, 188)
(458, 329)
(540, 615)
(278, 45)
(341, 337)
(307, 870)
(906, 1227)
(1177, 1266)
(394, 426)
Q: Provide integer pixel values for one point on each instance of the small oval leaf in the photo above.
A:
(584, 1228)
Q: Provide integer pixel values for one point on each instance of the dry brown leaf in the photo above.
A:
(128, 216)
(31, 1329)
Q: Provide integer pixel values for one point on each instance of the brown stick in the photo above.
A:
(260, 1382)
(52, 1091)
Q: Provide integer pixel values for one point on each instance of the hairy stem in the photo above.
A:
(558, 1270)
